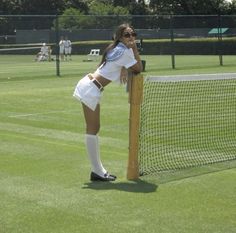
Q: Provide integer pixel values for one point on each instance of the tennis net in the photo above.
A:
(187, 121)
(38, 51)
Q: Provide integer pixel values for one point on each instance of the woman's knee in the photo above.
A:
(92, 129)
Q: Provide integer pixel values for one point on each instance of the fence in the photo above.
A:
(161, 34)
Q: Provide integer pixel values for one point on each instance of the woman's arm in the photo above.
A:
(137, 67)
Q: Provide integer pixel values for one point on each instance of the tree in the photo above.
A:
(113, 15)
(135, 7)
(103, 8)
(42, 7)
(75, 19)
(185, 7)
(80, 5)
(35, 7)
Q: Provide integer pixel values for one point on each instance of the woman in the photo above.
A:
(122, 53)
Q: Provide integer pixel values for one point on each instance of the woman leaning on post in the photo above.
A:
(122, 53)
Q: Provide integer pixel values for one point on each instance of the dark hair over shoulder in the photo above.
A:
(116, 39)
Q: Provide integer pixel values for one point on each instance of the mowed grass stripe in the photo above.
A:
(52, 135)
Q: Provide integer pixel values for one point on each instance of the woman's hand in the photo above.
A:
(123, 75)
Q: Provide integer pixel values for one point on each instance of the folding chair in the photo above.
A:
(94, 54)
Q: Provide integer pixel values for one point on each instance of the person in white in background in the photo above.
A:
(62, 48)
(68, 48)
(43, 54)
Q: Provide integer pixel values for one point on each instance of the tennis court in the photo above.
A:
(44, 181)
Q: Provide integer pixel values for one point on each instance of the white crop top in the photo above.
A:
(112, 69)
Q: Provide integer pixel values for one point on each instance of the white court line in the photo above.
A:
(191, 77)
(41, 113)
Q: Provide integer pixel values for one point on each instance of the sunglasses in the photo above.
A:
(128, 35)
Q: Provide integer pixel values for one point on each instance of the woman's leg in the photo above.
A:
(92, 119)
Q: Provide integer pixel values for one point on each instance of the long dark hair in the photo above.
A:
(116, 39)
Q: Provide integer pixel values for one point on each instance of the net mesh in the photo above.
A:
(187, 121)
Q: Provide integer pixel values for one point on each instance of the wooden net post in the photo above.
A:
(135, 100)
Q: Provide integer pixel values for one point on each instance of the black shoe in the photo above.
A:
(112, 176)
(107, 177)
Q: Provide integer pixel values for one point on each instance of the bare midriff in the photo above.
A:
(103, 81)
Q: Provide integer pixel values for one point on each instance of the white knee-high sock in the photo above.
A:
(92, 145)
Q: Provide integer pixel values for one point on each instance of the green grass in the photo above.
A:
(44, 170)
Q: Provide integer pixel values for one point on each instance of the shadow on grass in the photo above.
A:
(138, 186)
